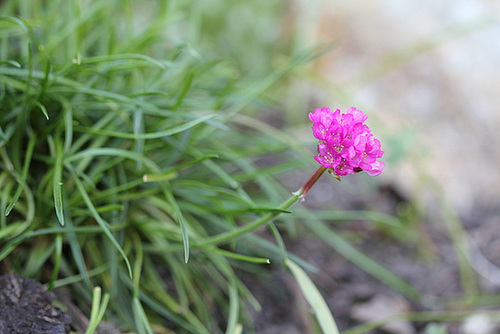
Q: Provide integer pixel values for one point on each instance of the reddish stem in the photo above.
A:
(308, 185)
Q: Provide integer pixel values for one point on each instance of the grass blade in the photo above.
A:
(98, 309)
(126, 57)
(363, 261)
(115, 152)
(233, 310)
(171, 172)
(159, 134)
(24, 175)
(99, 220)
(314, 298)
(141, 318)
(185, 237)
(240, 257)
(349, 215)
(57, 185)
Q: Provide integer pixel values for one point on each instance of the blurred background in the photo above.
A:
(427, 73)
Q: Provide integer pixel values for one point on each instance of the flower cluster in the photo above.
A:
(346, 145)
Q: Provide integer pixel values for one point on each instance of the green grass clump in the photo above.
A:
(119, 160)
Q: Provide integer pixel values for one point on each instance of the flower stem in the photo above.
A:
(266, 219)
(302, 192)
(238, 232)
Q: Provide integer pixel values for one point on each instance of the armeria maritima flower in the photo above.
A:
(346, 145)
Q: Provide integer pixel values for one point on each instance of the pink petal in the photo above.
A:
(377, 168)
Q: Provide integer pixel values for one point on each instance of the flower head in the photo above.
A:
(346, 145)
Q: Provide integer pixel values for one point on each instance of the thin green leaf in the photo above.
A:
(363, 261)
(171, 172)
(11, 63)
(281, 244)
(74, 246)
(43, 87)
(141, 320)
(139, 130)
(100, 221)
(314, 298)
(68, 126)
(240, 257)
(267, 246)
(238, 232)
(159, 134)
(184, 90)
(57, 261)
(125, 57)
(233, 310)
(15, 20)
(139, 258)
(237, 211)
(68, 229)
(57, 185)
(5, 232)
(346, 215)
(458, 236)
(24, 175)
(96, 301)
(43, 109)
(98, 309)
(67, 281)
(75, 88)
(140, 317)
(159, 177)
(5, 136)
(180, 219)
(115, 152)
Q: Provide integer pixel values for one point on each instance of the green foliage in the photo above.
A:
(118, 153)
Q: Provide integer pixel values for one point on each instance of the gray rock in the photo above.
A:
(26, 307)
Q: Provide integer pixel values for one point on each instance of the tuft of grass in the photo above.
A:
(123, 173)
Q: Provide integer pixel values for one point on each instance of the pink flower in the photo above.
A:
(346, 145)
